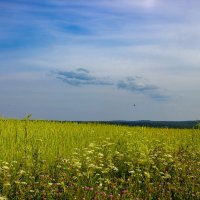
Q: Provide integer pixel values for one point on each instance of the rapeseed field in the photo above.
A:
(54, 160)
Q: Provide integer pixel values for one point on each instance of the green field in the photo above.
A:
(53, 160)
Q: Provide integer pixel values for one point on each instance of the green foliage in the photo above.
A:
(51, 160)
(197, 126)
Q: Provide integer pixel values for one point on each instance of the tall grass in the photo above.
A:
(51, 160)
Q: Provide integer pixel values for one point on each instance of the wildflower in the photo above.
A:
(98, 168)
(21, 172)
(100, 154)
(168, 156)
(90, 152)
(5, 167)
(147, 174)
(79, 174)
(8, 175)
(74, 177)
(116, 152)
(91, 145)
(91, 165)
(7, 184)
(65, 160)
(3, 198)
(106, 170)
(5, 163)
(103, 194)
(165, 163)
(114, 168)
(124, 191)
(88, 188)
(154, 167)
(110, 196)
(167, 176)
(76, 163)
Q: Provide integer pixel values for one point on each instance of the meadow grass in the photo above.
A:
(53, 160)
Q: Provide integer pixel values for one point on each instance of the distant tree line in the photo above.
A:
(155, 124)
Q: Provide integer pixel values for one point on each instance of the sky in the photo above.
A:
(93, 60)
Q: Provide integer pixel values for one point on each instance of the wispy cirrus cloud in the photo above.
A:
(80, 77)
(137, 85)
(134, 85)
(98, 23)
(140, 86)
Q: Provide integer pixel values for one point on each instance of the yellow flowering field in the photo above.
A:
(54, 160)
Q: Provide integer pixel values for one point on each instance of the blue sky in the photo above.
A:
(92, 60)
